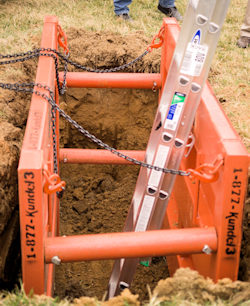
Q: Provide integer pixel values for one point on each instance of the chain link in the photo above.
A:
(23, 56)
(36, 52)
(30, 55)
(62, 89)
(23, 88)
(29, 88)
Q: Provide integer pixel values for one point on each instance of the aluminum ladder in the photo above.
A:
(171, 131)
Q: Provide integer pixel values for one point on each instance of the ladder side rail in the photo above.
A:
(139, 198)
(186, 89)
(36, 153)
(171, 30)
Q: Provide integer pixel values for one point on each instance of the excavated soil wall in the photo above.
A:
(98, 197)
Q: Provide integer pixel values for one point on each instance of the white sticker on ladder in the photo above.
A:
(194, 59)
(160, 160)
(145, 213)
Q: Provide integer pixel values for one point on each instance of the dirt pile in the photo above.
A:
(188, 285)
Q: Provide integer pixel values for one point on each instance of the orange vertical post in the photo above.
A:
(220, 203)
(171, 31)
(35, 154)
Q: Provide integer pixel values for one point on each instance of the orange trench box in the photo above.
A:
(203, 222)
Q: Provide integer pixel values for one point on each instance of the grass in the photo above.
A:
(18, 297)
(19, 24)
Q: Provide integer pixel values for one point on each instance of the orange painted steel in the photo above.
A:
(130, 244)
(92, 156)
(201, 216)
(112, 80)
(219, 204)
(36, 155)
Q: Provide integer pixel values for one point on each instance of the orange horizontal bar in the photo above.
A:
(92, 156)
(112, 80)
(130, 244)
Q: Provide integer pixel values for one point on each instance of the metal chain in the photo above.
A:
(119, 68)
(63, 88)
(29, 87)
(30, 55)
(23, 56)
(36, 52)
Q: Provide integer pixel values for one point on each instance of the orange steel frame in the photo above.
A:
(198, 215)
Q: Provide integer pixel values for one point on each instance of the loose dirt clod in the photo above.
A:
(188, 285)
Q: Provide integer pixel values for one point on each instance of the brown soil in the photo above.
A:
(97, 197)
(13, 114)
(186, 285)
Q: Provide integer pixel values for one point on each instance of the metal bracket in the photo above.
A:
(52, 183)
(207, 172)
(190, 145)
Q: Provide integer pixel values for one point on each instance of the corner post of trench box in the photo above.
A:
(222, 201)
(219, 204)
(36, 155)
(171, 33)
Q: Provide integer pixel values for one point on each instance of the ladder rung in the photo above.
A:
(130, 244)
(92, 156)
(112, 80)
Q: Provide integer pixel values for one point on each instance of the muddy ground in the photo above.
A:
(97, 197)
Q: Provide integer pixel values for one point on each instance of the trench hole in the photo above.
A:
(97, 197)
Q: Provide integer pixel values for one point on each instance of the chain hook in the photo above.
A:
(52, 183)
(207, 173)
(159, 38)
(62, 39)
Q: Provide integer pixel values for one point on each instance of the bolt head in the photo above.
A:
(56, 260)
(206, 249)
